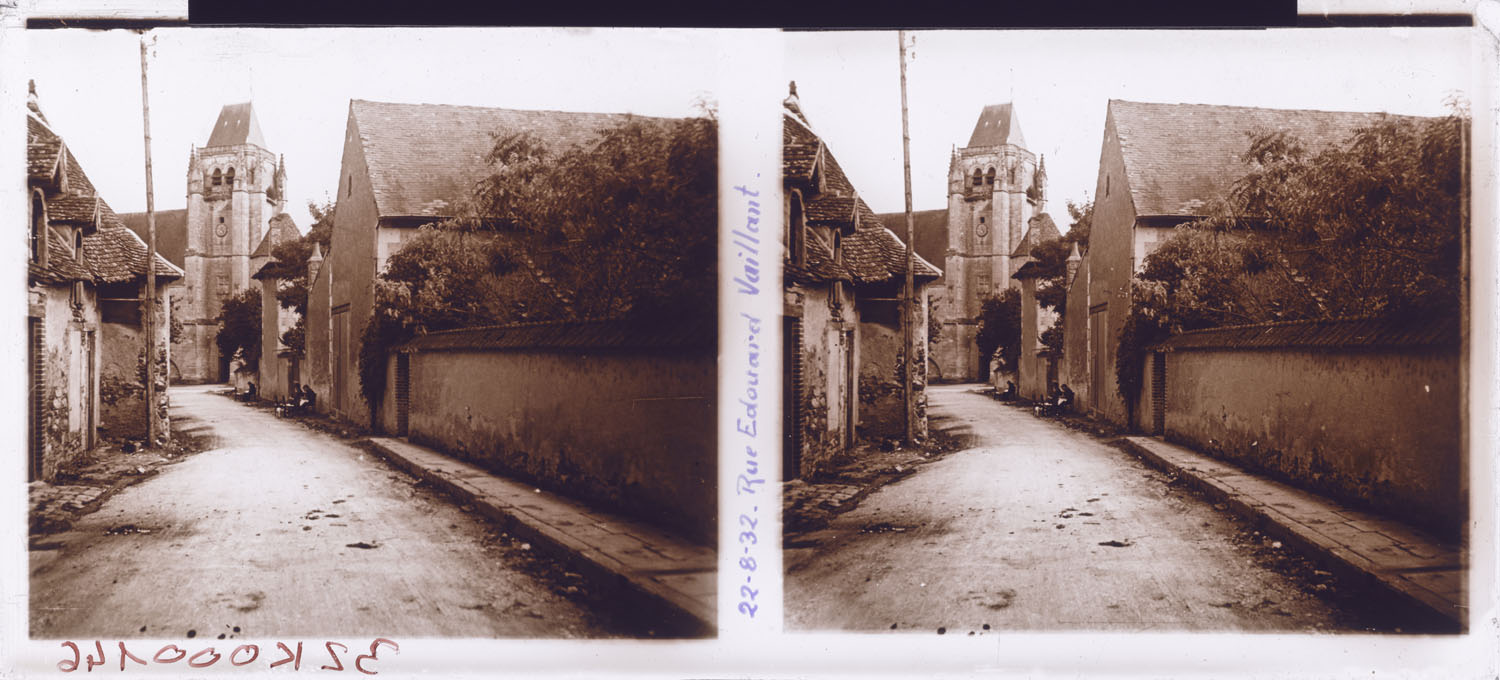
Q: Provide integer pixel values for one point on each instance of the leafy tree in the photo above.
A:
(289, 265)
(1052, 256)
(1000, 328)
(623, 228)
(239, 326)
(1371, 227)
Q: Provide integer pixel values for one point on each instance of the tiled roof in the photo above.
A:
(60, 267)
(834, 210)
(73, 209)
(171, 232)
(116, 254)
(1040, 229)
(799, 150)
(1180, 157)
(423, 157)
(694, 333)
(931, 227)
(281, 229)
(872, 253)
(1321, 334)
(818, 267)
(997, 126)
(236, 125)
(42, 149)
(876, 254)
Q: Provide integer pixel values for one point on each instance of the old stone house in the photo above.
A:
(995, 189)
(86, 354)
(235, 187)
(1161, 165)
(404, 166)
(843, 272)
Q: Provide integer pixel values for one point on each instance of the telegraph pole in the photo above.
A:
(908, 303)
(148, 300)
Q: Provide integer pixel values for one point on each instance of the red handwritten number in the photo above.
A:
(181, 653)
(125, 654)
(337, 665)
(69, 665)
(296, 660)
(210, 650)
(93, 661)
(360, 660)
(254, 654)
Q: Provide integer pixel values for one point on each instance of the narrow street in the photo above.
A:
(1034, 526)
(279, 530)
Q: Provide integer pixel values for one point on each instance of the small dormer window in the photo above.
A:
(796, 243)
(78, 243)
(838, 248)
(989, 177)
(38, 229)
(218, 177)
(1106, 186)
(978, 177)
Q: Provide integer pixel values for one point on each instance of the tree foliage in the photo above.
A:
(289, 267)
(1052, 256)
(239, 326)
(1000, 328)
(1370, 227)
(623, 228)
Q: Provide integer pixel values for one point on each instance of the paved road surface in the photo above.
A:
(1007, 534)
(253, 536)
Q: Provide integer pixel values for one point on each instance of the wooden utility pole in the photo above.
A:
(908, 303)
(148, 300)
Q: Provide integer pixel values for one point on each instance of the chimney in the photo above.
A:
(1074, 261)
(314, 262)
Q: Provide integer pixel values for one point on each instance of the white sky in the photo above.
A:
(301, 81)
(1061, 82)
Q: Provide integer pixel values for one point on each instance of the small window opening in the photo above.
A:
(229, 178)
(989, 177)
(978, 177)
(38, 229)
(218, 177)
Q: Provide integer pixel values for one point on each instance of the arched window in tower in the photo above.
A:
(229, 178)
(978, 177)
(989, 176)
(218, 177)
(1014, 168)
(38, 229)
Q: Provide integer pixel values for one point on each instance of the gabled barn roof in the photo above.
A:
(1180, 157)
(424, 157)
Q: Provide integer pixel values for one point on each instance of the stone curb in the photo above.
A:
(631, 590)
(1328, 553)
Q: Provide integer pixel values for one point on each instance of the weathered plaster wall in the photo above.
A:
(122, 390)
(825, 358)
(69, 393)
(1382, 428)
(1076, 352)
(316, 369)
(633, 430)
(353, 259)
(1111, 263)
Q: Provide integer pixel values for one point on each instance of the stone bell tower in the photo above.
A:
(991, 196)
(235, 185)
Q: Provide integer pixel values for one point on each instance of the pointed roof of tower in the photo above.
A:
(236, 125)
(997, 126)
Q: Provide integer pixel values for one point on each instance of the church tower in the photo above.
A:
(993, 191)
(235, 185)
